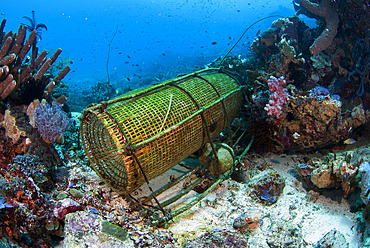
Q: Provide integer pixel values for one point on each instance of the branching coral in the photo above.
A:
(326, 11)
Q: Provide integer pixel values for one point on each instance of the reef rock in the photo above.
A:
(12, 130)
(84, 229)
(333, 239)
(218, 238)
(317, 121)
(65, 207)
(249, 220)
(340, 170)
(266, 187)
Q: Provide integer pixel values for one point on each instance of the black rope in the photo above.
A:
(109, 52)
(244, 34)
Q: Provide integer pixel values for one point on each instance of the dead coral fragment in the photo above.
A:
(249, 220)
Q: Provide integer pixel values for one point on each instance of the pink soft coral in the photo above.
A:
(278, 96)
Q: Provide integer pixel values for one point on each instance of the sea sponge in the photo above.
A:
(11, 129)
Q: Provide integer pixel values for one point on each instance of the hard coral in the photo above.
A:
(316, 121)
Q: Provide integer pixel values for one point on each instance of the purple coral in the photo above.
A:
(319, 93)
(50, 121)
(278, 96)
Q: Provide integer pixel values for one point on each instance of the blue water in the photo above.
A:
(153, 36)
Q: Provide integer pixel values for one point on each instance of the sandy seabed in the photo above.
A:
(296, 209)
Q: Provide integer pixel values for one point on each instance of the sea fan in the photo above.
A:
(51, 121)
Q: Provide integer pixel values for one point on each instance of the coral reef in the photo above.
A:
(327, 94)
(23, 183)
(278, 96)
(339, 170)
(360, 67)
(330, 15)
(305, 89)
(266, 187)
(27, 161)
(29, 80)
(50, 121)
(99, 92)
(316, 120)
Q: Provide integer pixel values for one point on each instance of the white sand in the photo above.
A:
(294, 209)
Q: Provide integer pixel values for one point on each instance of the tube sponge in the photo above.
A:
(326, 11)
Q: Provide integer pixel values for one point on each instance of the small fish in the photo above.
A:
(128, 57)
(349, 141)
(258, 32)
(214, 43)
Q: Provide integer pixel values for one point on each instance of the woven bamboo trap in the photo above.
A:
(142, 134)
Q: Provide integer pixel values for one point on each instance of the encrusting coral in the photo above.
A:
(326, 11)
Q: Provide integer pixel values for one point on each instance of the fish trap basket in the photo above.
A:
(156, 127)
